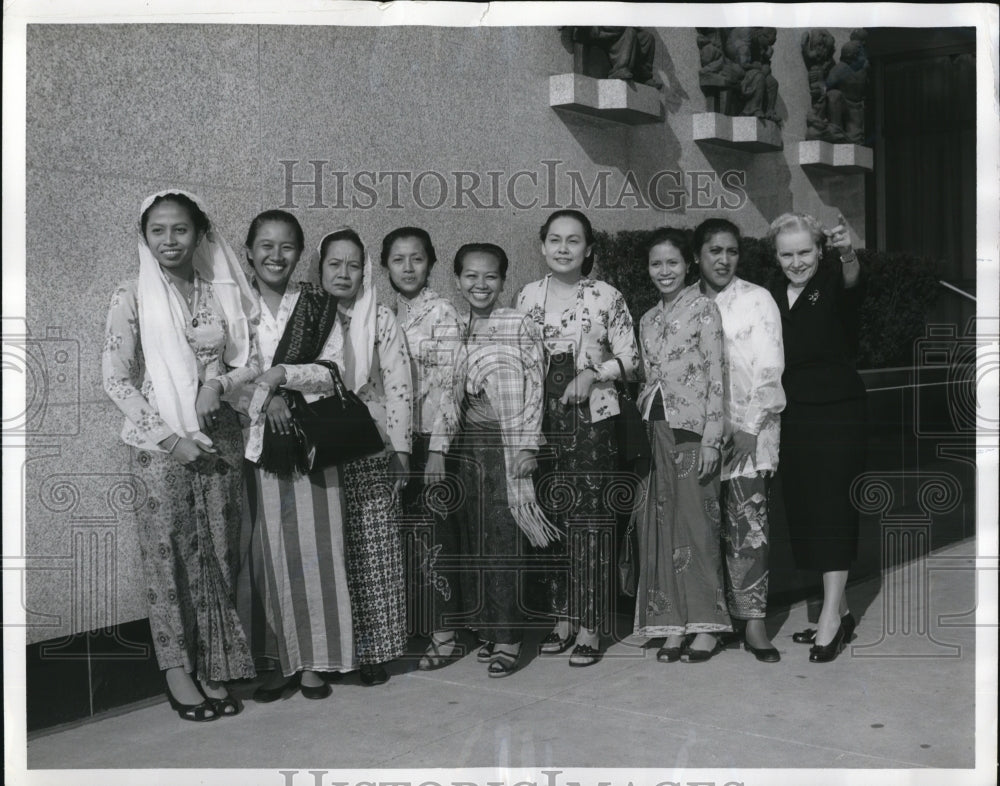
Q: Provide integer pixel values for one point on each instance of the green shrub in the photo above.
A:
(901, 288)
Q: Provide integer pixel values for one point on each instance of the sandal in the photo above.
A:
(485, 654)
(503, 663)
(199, 713)
(432, 659)
(584, 655)
(553, 645)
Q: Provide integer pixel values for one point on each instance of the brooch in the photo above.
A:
(813, 297)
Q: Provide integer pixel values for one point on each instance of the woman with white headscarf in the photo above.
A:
(177, 340)
(377, 368)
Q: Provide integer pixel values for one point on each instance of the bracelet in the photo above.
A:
(218, 391)
(847, 259)
(177, 439)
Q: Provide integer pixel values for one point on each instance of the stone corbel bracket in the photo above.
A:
(742, 133)
(614, 99)
(845, 158)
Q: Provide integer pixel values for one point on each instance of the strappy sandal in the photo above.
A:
(485, 653)
(199, 713)
(503, 664)
(432, 659)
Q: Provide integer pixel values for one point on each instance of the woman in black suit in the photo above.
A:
(823, 427)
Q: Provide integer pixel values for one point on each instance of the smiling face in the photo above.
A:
(798, 254)
(408, 265)
(342, 270)
(717, 260)
(667, 270)
(274, 254)
(480, 282)
(171, 235)
(565, 247)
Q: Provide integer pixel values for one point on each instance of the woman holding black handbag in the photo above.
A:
(295, 512)
(377, 369)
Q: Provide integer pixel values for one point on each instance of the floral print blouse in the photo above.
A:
(431, 326)
(600, 329)
(388, 392)
(755, 360)
(683, 352)
(126, 380)
(311, 379)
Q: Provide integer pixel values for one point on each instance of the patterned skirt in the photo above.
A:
(297, 577)
(374, 560)
(577, 489)
(189, 546)
(431, 544)
(493, 546)
(681, 588)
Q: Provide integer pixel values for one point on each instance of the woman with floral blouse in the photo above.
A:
(433, 335)
(177, 340)
(681, 590)
(377, 368)
(589, 343)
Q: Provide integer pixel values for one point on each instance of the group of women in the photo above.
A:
(250, 552)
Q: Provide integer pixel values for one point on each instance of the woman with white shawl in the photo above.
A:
(377, 368)
(177, 340)
(495, 450)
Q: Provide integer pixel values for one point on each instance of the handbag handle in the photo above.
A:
(338, 384)
(621, 381)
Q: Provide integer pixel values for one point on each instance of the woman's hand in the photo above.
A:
(279, 416)
(708, 462)
(578, 390)
(207, 406)
(188, 451)
(840, 236)
(524, 464)
(743, 447)
(399, 468)
(434, 471)
(273, 378)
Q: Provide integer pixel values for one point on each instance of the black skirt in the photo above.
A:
(822, 452)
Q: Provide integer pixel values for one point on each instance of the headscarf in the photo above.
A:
(170, 361)
(359, 349)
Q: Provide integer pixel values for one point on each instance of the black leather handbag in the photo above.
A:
(339, 427)
(633, 437)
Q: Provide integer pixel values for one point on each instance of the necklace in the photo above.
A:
(193, 301)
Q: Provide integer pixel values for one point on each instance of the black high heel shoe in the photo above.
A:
(808, 636)
(828, 652)
(266, 695)
(199, 713)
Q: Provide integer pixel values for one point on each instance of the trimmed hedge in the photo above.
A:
(901, 290)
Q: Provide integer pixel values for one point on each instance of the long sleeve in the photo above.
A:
(394, 362)
(447, 347)
(315, 377)
(767, 397)
(120, 366)
(621, 338)
(530, 342)
(712, 345)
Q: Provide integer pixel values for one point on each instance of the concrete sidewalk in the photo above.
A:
(901, 696)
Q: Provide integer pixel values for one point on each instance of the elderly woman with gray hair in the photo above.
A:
(823, 426)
